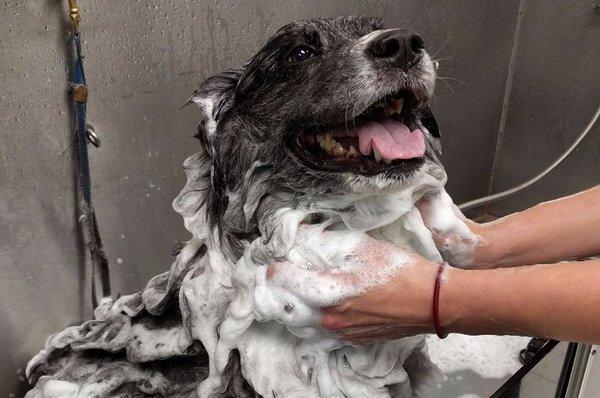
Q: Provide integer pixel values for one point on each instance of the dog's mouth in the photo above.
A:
(384, 138)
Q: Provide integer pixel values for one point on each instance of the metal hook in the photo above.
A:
(92, 136)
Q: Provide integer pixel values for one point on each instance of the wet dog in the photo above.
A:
(331, 105)
(326, 120)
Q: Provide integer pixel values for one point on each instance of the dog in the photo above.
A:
(326, 127)
(327, 76)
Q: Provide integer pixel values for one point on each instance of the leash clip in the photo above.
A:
(92, 136)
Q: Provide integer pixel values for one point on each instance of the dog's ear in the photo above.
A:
(215, 96)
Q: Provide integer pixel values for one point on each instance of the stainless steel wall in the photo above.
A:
(144, 58)
(554, 92)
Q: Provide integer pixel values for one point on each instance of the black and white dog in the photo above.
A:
(308, 103)
(327, 126)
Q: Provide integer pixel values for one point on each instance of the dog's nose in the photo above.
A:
(399, 47)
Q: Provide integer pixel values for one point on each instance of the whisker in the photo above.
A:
(442, 46)
(453, 78)
(447, 84)
(442, 59)
(346, 119)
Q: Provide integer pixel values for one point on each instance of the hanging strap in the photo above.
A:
(88, 216)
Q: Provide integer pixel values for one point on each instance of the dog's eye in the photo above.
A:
(300, 54)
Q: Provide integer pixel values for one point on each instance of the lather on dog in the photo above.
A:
(320, 139)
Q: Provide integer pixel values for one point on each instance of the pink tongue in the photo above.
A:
(392, 139)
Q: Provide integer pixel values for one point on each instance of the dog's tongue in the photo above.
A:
(392, 139)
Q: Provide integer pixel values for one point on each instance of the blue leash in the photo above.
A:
(79, 99)
(98, 257)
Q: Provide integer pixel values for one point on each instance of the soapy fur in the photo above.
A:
(230, 307)
(214, 325)
(257, 300)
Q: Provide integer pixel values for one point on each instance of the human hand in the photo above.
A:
(389, 296)
(455, 236)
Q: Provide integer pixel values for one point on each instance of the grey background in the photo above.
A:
(144, 59)
(554, 93)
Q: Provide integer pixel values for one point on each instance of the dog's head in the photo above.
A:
(327, 107)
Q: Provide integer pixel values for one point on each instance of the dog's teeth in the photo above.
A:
(398, 105)
(330, 145)
(394, 107)
(329, 142)
(338, 150)
(387, 161)
(321, 141)
(377, 155)
(352, 153)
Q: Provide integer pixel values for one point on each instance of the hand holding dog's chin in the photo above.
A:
(399, 308)
(393, 306)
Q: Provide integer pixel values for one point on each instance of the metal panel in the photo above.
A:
(143, 61)
(578, 373)
(555, 91)
(590, 386)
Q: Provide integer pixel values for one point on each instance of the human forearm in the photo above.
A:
(552, 231)
(560, 301)
(386, 299)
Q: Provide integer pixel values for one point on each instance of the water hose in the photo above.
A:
(509, 192)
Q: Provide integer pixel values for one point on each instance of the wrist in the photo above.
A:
(438, 327)
(452, 305)
(494, 247)
(476, 301)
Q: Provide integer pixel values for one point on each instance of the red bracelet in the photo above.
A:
(437, 326)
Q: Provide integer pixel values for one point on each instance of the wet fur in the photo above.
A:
(245, 173)
(253, 111)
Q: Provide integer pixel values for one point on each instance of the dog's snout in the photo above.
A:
(400, 48)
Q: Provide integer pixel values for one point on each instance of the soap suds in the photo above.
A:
(448, 225)
(473, 366)
(231, 306)
(264, 317)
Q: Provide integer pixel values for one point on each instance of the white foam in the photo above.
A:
(473, 366)
(454, 239)
(229, 303)
(233, 305)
